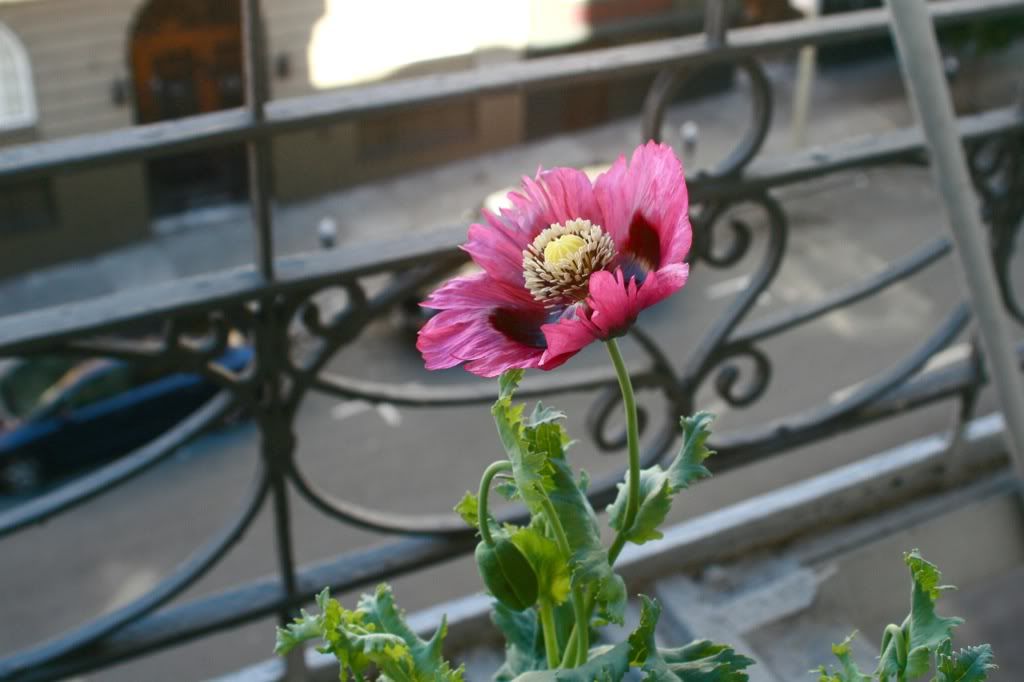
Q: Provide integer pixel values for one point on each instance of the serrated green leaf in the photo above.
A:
(508, 489)
(529, 466)
(971, 664)
(524, 642)
(543, 415)
(705, 661)
(699, 661)
(658, 486)
(655, 503)
(928, 631)
(469, 509)
(589, 561)
(609, 666)
(848, 670)
(551, 568)
(924, 631)
(688, 465)
(350, 638)
(537, 452)
(425, 662)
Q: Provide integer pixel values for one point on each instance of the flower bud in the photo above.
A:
(507, 574)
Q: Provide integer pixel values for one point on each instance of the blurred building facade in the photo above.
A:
(72, 67)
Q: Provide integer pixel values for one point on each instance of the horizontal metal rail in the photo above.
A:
(299, 113)
(26, 331)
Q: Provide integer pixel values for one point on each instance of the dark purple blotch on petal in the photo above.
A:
(643, 243)
(521, 326)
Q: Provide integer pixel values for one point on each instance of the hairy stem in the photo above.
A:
(895, 633)
(581, 633)
(547, 623)
(633, 442)
(485, 489)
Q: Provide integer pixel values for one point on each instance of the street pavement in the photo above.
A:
(416, 461)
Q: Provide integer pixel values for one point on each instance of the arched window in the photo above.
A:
(17, 96)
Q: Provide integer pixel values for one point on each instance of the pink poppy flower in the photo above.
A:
(571, 262)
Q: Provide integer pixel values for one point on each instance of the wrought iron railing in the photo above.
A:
(277, 294)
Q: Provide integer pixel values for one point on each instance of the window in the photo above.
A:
(17, 96)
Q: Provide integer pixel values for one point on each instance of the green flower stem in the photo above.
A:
(580, 630)
(485, 489)
(895, 632)
(633, 501)
(547, 622)
(633, 441)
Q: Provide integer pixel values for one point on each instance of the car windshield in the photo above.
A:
(88, 383)
(23, 384)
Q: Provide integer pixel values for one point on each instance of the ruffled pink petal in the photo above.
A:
(555, 196)
(611, 309)
(565, 338)
(489, 325)
(661, 284)
(645, 205)
(479, 290)
(613, 302)
(451, 338)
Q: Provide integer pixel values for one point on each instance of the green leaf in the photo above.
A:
(927, 630)
(609, 666)
(426, 662)
(688, 466)
(469, 509)
(551, 568)
(848, 670)
(508, 489)
(924, 631)
(971, 664)
(524, 642)
(699, 661)
(529, 466)
(543, 415)
(589, 560)
(655, 503)
(658, 486)
(706, 661)
(346, 634)
(536, 449)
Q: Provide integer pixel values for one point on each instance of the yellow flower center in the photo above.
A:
(563, 248)
(558, 263)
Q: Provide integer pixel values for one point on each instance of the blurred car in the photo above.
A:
(24, 380)
(98, 410)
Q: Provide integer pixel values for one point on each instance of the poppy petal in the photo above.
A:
(645, 204)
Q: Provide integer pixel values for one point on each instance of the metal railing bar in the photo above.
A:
(27, 664)
(893, 272)
(81, 490)
(920, 62)
(260, 598)
(899, 145)
(202, 131)
(257, 92)
(25, 331)
(308, 111)
(592, 65)
(807, 425)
